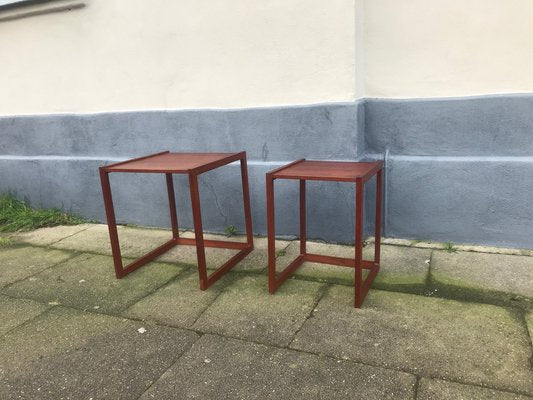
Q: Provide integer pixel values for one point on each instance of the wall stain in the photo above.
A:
(264, 152)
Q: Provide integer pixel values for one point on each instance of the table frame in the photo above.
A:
(205, 281)
(358, 264)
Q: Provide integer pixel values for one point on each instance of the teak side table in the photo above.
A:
(303, 170)
(192, 164)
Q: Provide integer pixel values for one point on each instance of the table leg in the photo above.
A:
(359, 242)
(198, 230)
(303, 218)
(271, 234)
(172, 205)
(111, 223)
(246, 201)
(377, 235)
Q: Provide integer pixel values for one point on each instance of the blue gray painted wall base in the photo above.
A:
(53, 160)
(457, 169)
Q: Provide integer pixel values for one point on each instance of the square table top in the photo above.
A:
(328, 170)
(168, 162)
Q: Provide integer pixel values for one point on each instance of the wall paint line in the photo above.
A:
(356, 100)
(118, 159)
(377, 156)
(192, 109)
(519, 159)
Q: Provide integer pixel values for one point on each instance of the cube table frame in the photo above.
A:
(338, 171)
(192, 164)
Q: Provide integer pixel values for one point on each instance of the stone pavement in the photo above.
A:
(437, 324)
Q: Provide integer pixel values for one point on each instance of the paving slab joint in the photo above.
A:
(74, 254)
(321, 292)
(478, 295)
(186, 350)
(28, 321)
(322, 355)
(428, 281)
(170, 281)
(430, 288)
(49, 245)
(528, 334)
(200, 334)
(206, 308)
(416, 387)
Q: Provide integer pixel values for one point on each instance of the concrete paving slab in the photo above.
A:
(222, 368)
(428, 244)
(247, 311)
(529, 322)
(17, 311)
(494, 250)
(402, 268)
(434, 389)
(179, 303)
(467, 342)
(215, 236)
(257, 260)
(419, 243)
(485, 277)
(134, 242)
(88, 282)
(69, 354)
(47, 236)
(17, 263)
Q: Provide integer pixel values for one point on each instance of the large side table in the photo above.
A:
(192, 164)
(303, 170)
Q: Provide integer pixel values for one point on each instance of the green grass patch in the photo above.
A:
(17, 215)
(230, 230)
(450, 247)
(4, 241)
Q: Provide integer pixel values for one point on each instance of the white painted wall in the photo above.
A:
(139, 54)
(119, 55)
(421, 48)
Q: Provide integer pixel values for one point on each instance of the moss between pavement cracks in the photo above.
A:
(86, 281)
(390, 318)
(529, 323)
(489, 278)
(473, 343)
(465, 291)
(105, 353)
(428, 244)
(404, 268)
(62, 282)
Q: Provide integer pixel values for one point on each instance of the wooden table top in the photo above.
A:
(328, 170)
(168, 162)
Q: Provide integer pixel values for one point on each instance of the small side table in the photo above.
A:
(303, 170)
(192, 164)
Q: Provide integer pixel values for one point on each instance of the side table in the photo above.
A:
(303, 170)
(192, 164)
